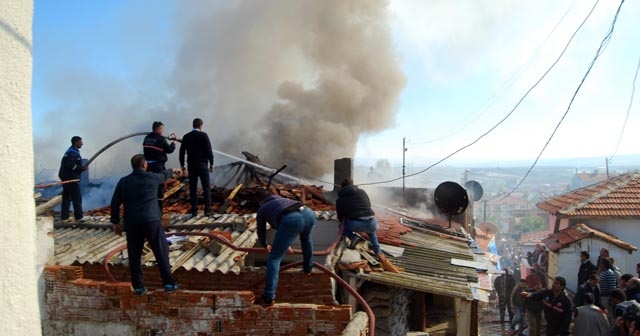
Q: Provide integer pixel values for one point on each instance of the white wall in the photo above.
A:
(626, 229)
(19, 311)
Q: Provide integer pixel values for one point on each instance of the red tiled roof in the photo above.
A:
(578, 232)
(390, 230)
(533, 237)
(616, 197)
(591, 177)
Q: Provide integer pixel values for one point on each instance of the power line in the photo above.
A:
(508, 114)
(624, 125)
(483, 108)
(601, 48)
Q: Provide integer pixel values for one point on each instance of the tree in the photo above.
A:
(530, 223)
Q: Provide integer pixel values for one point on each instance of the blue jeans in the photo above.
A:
(370, 226)
(298, 223)
(519, 320)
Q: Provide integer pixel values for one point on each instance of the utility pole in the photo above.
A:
(404, 150)
(606, 162)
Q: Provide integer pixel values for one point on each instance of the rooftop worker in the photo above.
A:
(503, 284)
(290, 219)
(556, 305)
(590, 319)
(137, 193)
(589, 287)
(156, 148)
(353, 208)
(586, 268)
(70, 169)
(197, 146)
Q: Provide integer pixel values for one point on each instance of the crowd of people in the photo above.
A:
(606, 303)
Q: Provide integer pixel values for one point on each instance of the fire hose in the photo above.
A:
(230, 245)
(172, 137)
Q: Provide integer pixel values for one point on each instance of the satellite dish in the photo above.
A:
(474, 189)
(488, 227)
(451, 198)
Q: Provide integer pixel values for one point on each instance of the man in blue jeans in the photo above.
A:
(291, 219)
(354, 210)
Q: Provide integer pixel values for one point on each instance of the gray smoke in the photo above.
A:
(295, 82)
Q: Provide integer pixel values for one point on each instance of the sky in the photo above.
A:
(466, 64)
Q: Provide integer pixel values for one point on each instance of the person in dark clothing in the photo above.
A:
(353, 208)
(624, 280)
(137, 193)
(586, 268)
(589, 287)
(633, 289)
(503, 285)
(197, 146)
(518, 306)
(155, 149)
(557, 307)
(290, 219)
(70, 169)
(534, 312)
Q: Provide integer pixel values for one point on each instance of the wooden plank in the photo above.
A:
(227, 202)
(44, 207)
(173, 190)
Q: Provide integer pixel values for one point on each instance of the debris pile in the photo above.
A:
(240, 201)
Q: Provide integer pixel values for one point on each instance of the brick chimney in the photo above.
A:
(342, 169)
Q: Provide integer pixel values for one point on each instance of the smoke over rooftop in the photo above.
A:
(296, 82)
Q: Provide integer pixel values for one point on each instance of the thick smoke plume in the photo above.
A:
(295, 82)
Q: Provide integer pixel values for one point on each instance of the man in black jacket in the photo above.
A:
(557, 307)
(156, 148)
(591, 286)
(197, 146)
(503, 284)
(137, 192)
(353, 207)
(586, 268)
(70, 169)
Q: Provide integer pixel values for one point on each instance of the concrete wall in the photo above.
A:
(19, 311)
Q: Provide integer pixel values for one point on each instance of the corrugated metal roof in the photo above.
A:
(91, 245)
(618, 197)
(426, 265)
(578, 232)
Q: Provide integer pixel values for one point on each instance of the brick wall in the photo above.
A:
(76, 305)
(293, 285)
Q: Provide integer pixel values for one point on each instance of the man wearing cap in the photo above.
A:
(557, 307)
(156, 148)
(290, 219)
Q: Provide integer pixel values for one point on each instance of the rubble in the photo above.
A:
(244, 202)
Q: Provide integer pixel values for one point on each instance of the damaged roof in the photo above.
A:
(578, 232)
(427, 262)
(617, 197)
(94, 239)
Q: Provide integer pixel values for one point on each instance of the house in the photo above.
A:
(565, 246)
(584, 179)
(611, 206)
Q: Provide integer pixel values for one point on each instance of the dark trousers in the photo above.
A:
(199, 171)
(71, 193)
(502, 305)
(154, 233)
(158, 167)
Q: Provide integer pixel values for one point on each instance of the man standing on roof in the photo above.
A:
(137, 193)
(557, 307)
(290, 219)
(70, 169)
(354, 211)
(156, 148)
(197, 146)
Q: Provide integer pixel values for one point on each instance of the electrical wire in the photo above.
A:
(624, 125)
(506, 116)
(491, 101)
(601, 48)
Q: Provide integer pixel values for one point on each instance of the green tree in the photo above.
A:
(530, 223)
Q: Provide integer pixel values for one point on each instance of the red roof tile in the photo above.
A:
(616, 197)
(578, 232)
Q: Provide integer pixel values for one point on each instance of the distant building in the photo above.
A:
(611, 206)
(565, 247)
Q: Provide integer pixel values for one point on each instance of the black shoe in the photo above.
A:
(194, 214)
(354, 242)
(208, 213)
(263, 301)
